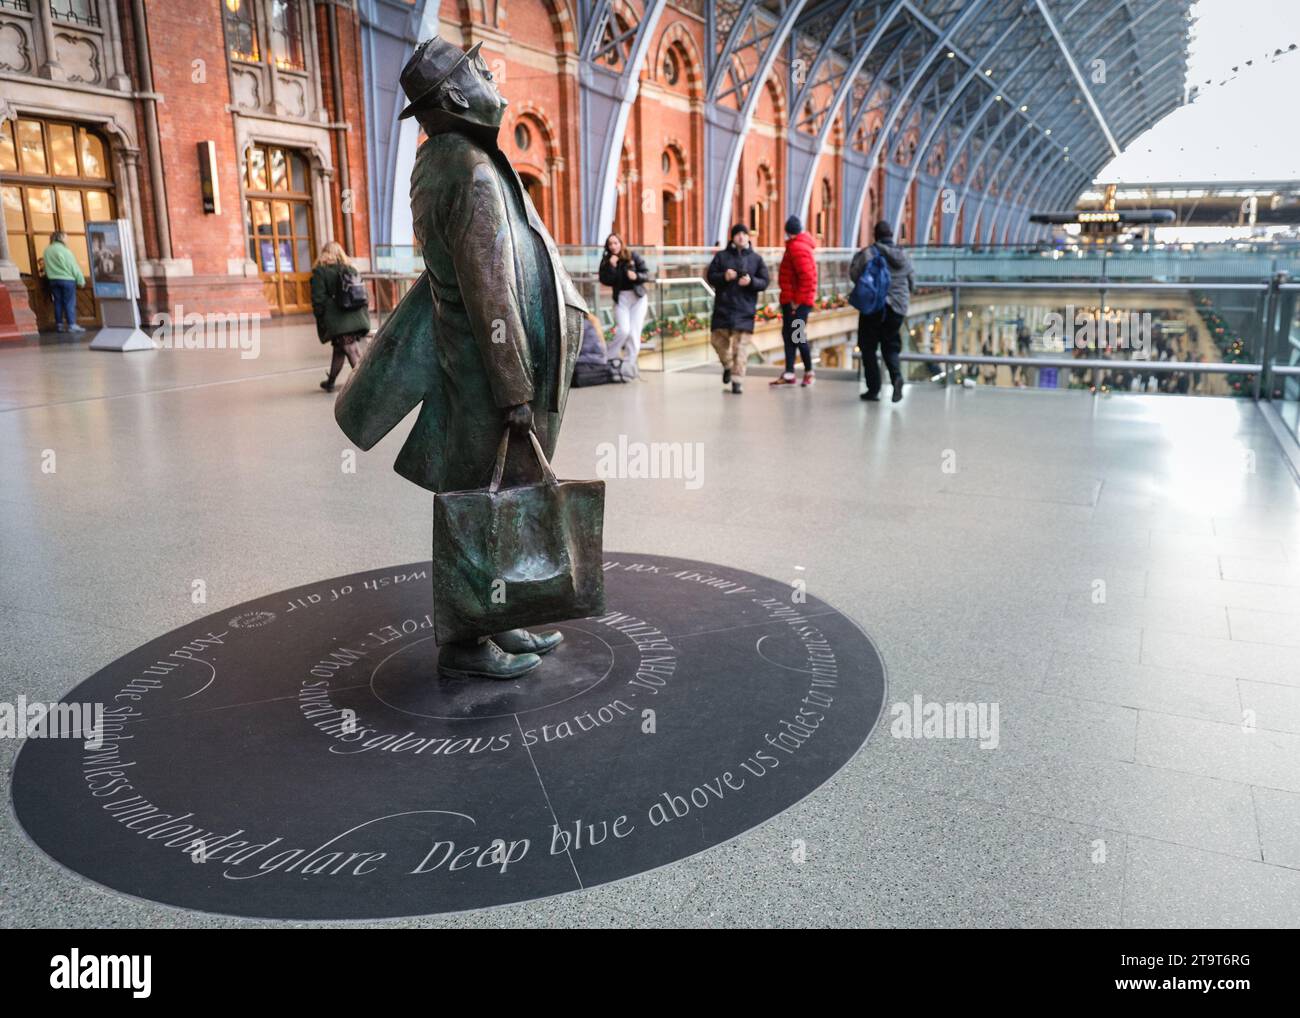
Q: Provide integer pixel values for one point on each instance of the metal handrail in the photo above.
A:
(1095, 284)
(1088, 363)
(653, 280)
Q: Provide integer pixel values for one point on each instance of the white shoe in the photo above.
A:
(74, 327)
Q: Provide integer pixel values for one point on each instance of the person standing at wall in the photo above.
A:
(798, 279)
(1024, 348)
(625, 273)
(64, 276)
(881, 331)
(737, 275)
(338, 300)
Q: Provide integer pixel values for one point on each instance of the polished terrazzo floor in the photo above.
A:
(1147, 771)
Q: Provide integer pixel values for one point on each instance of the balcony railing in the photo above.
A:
(1227, 314)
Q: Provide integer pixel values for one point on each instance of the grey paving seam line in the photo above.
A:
(150, 392)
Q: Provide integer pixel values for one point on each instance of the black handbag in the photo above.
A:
(504, 558)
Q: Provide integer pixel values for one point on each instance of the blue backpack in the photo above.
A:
(869, 291)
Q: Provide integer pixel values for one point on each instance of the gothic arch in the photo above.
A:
(562, 22)
(780, 110)
(534, 115)
(677, 37)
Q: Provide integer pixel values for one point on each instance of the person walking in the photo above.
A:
(625, 273)
(737, 275)
(1024, 348)
(881, 330)
(990, 370)
(798, 280)
(338, 300)
(64, 275)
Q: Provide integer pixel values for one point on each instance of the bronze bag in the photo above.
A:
(510, 557)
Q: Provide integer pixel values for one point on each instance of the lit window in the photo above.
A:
(241, 30)
(92, 155)
(8, 154)
(286, 35)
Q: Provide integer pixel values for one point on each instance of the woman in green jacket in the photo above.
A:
(337, 323)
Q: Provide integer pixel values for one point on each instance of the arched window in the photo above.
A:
(535, 191)
(762, 217)
(825, 214)
(672, 217)
(616, 42)
(672, 67)
(279, 221)
(523, 137)
(55, 177)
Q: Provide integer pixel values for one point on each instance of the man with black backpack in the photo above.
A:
(883, 281)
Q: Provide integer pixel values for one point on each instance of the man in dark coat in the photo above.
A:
(487, 338)
(737, 275)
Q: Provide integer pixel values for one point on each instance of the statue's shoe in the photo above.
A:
(521, 641)
(483, 660)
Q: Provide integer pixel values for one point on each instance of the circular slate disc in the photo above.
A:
(296, 757)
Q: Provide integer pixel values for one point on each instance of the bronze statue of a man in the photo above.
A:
(487, 338)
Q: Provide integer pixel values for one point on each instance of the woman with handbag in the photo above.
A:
(339, 302)
(625, 273)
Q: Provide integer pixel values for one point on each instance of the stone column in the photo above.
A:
(315, 61)
(554, 167)
(268, 58)
(108, 17)
(129, 176)
(50, 67)
(8, 268)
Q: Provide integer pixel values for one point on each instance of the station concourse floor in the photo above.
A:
(1148, 771)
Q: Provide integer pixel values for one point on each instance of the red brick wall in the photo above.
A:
(665, 117)
(354, 115)
(762, 169)
(523, 44)
(194, 111)
(666, 120)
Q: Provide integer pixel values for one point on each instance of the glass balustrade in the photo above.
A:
(1207, 319)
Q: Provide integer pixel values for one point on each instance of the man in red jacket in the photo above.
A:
(798, 278)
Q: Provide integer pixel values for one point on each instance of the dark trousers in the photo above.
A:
(64, 293)
(880, 331)
(795, 336)
(344, 347)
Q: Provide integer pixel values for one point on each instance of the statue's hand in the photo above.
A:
(519, 418)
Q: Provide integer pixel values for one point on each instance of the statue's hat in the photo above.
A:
(429, 66)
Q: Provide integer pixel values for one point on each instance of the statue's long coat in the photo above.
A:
(469, 339)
